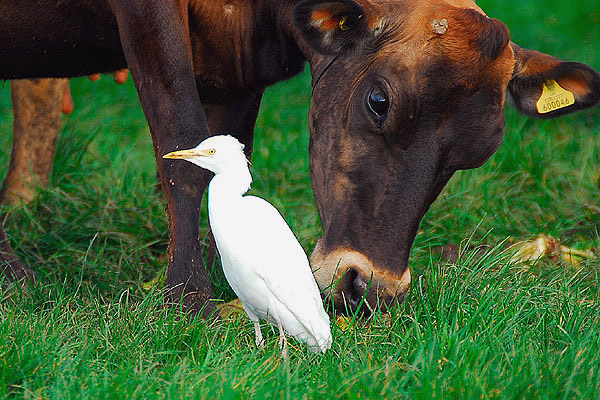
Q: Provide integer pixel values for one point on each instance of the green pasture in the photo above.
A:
(479, 327)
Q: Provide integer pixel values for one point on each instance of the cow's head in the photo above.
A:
(405, 94)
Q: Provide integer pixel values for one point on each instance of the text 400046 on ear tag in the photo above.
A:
(554, 97)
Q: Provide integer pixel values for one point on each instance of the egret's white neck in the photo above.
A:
(231, 181)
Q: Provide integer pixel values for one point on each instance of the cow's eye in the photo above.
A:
(378, 102)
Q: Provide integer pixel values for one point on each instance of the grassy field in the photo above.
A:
(480, 327)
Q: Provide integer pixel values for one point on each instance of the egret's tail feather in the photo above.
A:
(315, 332)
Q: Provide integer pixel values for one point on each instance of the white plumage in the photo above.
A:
(262, 259)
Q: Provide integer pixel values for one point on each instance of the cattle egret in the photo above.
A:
(262, 259)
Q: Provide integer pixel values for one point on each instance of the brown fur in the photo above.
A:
(37, 106)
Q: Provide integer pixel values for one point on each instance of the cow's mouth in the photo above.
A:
(351, 282)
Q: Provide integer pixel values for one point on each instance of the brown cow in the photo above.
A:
(405, 93)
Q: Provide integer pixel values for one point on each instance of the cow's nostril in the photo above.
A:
(354, 288)
(360, 286)
(359, 292)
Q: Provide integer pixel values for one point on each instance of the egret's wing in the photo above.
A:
(280, 257)
(283, 266)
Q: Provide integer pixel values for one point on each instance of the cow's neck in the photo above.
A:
(244, 45)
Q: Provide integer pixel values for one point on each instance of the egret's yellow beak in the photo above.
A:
(186, 154)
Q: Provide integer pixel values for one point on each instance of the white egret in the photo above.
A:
(262, 259)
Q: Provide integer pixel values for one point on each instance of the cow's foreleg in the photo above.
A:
(155, 40)
(11, 268)
(37, 111)
(236, 119)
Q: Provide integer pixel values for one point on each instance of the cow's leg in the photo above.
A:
(11, 268)
(236, 119)
(155, 39)
(37, 108)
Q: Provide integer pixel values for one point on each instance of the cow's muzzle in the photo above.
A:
(351, 282)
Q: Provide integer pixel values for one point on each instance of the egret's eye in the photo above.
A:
(377, 101)
(211, 152)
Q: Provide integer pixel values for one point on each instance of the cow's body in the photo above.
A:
(58, 38)
(405, 93)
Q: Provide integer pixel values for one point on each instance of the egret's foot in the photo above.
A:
(258, 337)
(282, 342)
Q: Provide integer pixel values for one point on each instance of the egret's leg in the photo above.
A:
(282, 341)
(258, 337)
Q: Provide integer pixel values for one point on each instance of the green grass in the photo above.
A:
(478, 328)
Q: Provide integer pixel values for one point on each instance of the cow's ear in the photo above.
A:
(331, 27)
(544, 87)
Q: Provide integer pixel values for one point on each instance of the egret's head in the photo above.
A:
(217, 153)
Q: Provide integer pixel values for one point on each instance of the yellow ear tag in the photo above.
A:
(342, 24)
(554, 97)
